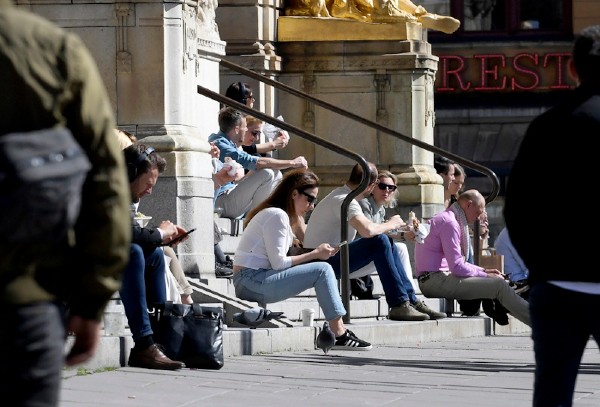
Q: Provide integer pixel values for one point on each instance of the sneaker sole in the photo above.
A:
(409, 319)
(352, 348)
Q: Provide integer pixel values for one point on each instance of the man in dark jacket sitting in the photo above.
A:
(144, 278)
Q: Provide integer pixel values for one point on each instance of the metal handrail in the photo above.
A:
(344, 251)
(436, 150)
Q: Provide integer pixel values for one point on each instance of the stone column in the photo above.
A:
(381, 72)
(249, 28)
(152, 56)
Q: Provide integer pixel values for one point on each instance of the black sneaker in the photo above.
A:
(349, 341)
(228, 262)
(222, 271)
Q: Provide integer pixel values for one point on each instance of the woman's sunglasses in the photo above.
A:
(383, 186)
(309, 198)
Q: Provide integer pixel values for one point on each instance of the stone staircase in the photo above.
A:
(368, 320)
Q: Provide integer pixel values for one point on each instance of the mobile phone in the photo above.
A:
(345, 242)
(178, 238)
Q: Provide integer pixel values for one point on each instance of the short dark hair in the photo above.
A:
(586, 53)
(229, 117)
(357, 173)
(140, 162)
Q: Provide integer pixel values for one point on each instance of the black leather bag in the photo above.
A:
(190, 333)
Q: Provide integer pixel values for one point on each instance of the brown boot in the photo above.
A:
(152, 358)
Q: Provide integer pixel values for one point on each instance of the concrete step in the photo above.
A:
(368, 319)
(114, 351)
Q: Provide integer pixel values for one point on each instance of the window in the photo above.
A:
(515, 18)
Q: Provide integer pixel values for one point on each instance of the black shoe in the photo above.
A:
(349, 341)
(222, 271)
(228, 262)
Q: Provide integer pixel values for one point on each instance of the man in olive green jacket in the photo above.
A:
(49, 79)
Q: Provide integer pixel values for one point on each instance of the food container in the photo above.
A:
(143, 220)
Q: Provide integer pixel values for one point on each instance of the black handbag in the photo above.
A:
(190, 333)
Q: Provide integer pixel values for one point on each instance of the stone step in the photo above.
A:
(113, 351)
(368, 319)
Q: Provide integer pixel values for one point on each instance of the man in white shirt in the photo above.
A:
(374, 246)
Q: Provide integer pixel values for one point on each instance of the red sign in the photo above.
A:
(499, 72)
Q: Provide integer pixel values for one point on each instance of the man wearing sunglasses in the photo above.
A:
(373, 246)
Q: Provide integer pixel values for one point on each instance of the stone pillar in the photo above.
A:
(387, 78)
(152, 56)
(249, 28)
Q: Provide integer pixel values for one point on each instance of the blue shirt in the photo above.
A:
(229, 149)
(514, 267)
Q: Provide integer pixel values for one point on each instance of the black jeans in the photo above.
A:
(32, 339)
(561, 324)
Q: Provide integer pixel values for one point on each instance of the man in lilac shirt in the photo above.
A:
(440, 264)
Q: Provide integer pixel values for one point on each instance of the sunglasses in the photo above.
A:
(311, 199)
(383, 186)
(256, 133)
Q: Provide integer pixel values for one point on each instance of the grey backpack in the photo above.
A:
(41, 178)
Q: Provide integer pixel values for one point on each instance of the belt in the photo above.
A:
(424, 277)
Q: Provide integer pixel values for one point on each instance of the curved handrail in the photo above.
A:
(463, 161)
(344, 257)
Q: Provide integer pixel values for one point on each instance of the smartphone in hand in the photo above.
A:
(178, 238)
(345, 242)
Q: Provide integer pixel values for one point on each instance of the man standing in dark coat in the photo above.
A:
(565, 285)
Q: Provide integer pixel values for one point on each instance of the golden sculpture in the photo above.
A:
(373, 11)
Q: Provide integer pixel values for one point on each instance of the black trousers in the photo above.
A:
(32, 339)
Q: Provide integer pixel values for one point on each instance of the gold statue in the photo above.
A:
(374, 11)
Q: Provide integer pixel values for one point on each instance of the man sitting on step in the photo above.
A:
(236, 198)
(144, 277)
(374, 246)
(441, 266)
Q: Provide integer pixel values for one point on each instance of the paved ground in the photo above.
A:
(484, 371)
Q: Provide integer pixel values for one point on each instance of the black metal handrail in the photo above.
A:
(344, 251)
(461, 160)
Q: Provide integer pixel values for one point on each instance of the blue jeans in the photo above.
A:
(561, 324)
(33, 339)
(143, 286)
(268, 286)
(382, 251)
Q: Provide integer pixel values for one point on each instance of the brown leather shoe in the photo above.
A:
(152, 358)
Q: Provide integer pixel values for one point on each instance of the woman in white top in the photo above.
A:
(265, 273)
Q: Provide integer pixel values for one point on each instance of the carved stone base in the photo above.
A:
(336, 29)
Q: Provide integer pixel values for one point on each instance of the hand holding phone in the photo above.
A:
(345, 242)
(178, 238)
